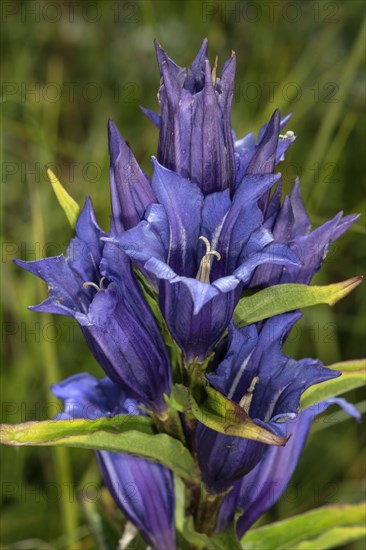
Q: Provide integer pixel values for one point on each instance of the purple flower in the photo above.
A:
(95, 285)
(260, 156)
(267, 384)
(290, 225)
(200, 251)
(258, 491)
(195, 138)
(131, 191)
(142, 489)
(258, 347)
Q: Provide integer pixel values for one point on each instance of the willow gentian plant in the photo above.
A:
(186, 304)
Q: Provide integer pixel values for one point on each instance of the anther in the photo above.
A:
(204, 269)
(246, 400)
(89, 283)
(289, 134)
(94, 285)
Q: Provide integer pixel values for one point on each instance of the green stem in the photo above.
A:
(208, 509)
(169, 422)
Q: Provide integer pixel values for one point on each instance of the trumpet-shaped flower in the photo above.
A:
(267, 384)
(202, 236)
(200, 251)
(95, 285)
(142, 489)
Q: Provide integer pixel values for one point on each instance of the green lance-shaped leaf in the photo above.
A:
(130, 434)
(222, 415)
(288, 297)
(67, 203)
(33, 433)
(325, 527)
(225, 416)
(334, 538)
(353, 375)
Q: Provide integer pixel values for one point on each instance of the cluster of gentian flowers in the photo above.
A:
(210, 223)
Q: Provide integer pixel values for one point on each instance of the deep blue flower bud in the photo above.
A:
(142, 489)
(95, 285)
(259, 156)
(195, 138)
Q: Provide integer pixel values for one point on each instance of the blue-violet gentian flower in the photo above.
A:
(96, 286)
(141, 488)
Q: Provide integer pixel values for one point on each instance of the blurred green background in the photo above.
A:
(67, 67)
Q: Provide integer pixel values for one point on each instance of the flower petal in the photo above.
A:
(85, 251)
(248, 146)
(292, 226)
(242, 219)
(131, 356)
(145, 492)
(141, 243)
(264, 485)
(274, 253)
(87, 397)
(214, 153)
(151, 115)
(65, 276)
(264, 158)
(223, 459)
(182, 201)
(131, 191)
(215, 208)
(196, 72)
(196, 334)
(66, 293)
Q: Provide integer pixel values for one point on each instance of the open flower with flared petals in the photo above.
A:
(200, 251)
(267, 384)
(96, 286)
